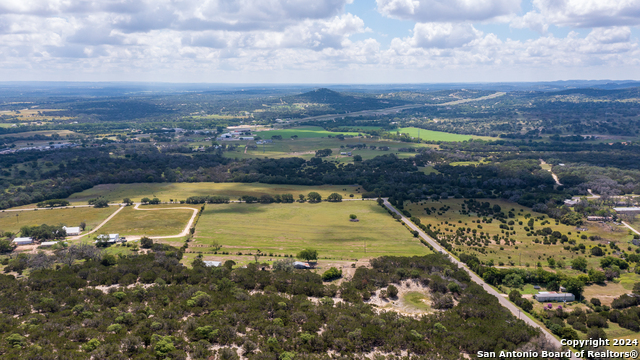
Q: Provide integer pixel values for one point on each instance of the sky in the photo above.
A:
(319, 41)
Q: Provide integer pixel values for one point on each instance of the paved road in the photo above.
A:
(503, 301)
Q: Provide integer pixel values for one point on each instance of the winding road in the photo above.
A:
(517, 312)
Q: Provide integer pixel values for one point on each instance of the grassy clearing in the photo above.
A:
(13, 221)
(527, 251)
(151, 223)
(303, 132)
(417, 300)
(288, 228)
(181, 191)
(429, 135)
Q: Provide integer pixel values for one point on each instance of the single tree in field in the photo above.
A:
(127, 201)
(302, 198)
(146, 243)
(353, 216)
(308, 254)
(334, 197)
(314, 197)
(145, 200)
(83, 225)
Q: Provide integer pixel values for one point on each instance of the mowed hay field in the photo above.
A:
(163, 222)
(527, 250)
(430, 135)
(14, 220)
(288, 228)
(181, 191)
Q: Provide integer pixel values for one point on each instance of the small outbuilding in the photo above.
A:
(545, 296)
(22, 241)
(301, 265)
(212, 263)
(72, 231)
(48, 243)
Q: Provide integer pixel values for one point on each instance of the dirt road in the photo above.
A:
(503, 301)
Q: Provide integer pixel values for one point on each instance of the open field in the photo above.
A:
(525, 251)
(181, 191)
(303, 132)
(430, 135)
(43, 133)
(28, 115)
(13, 221)
(306, 148)
(288, 228)
(151, 223)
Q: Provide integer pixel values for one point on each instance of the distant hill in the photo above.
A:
(591, 92)
(339, 102)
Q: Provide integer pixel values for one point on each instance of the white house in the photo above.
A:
(72, 231)
(111, 238)
(22, 241)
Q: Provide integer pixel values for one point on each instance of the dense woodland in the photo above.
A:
(150, 306)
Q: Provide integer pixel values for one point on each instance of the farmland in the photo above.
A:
(430, 135)
(181, 191)
(164, 222)
(303, 132)
(288, 228)
(306, 148)
(13, 221)
(525, 251)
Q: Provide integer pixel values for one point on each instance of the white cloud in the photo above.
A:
(447, 10)
(443, 35)
(580, 14)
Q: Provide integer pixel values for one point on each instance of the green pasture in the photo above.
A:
(181, 191)
(527, 250)
(417, 300)
(281, 229)
(430, 135)
(303, 132)
(14, 220)
(306, 148)
(163, 222)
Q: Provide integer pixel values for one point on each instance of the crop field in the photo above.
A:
(526, 250)
(151, 223)
(306, 148)
(14, 220)
(430, 135)
(181, 191)
(281, 229)
(303, 132)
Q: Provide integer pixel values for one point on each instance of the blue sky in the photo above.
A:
(323, 41)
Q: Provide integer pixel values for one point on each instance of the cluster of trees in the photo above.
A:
(208, 199)
(43, 232)
(188, 311)
(53, 203)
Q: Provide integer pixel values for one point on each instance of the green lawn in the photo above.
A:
(151, 223)
(430, 135)
(417, 300)
(13, 221)
(303, 132)
(288, 228)
(181, 191)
